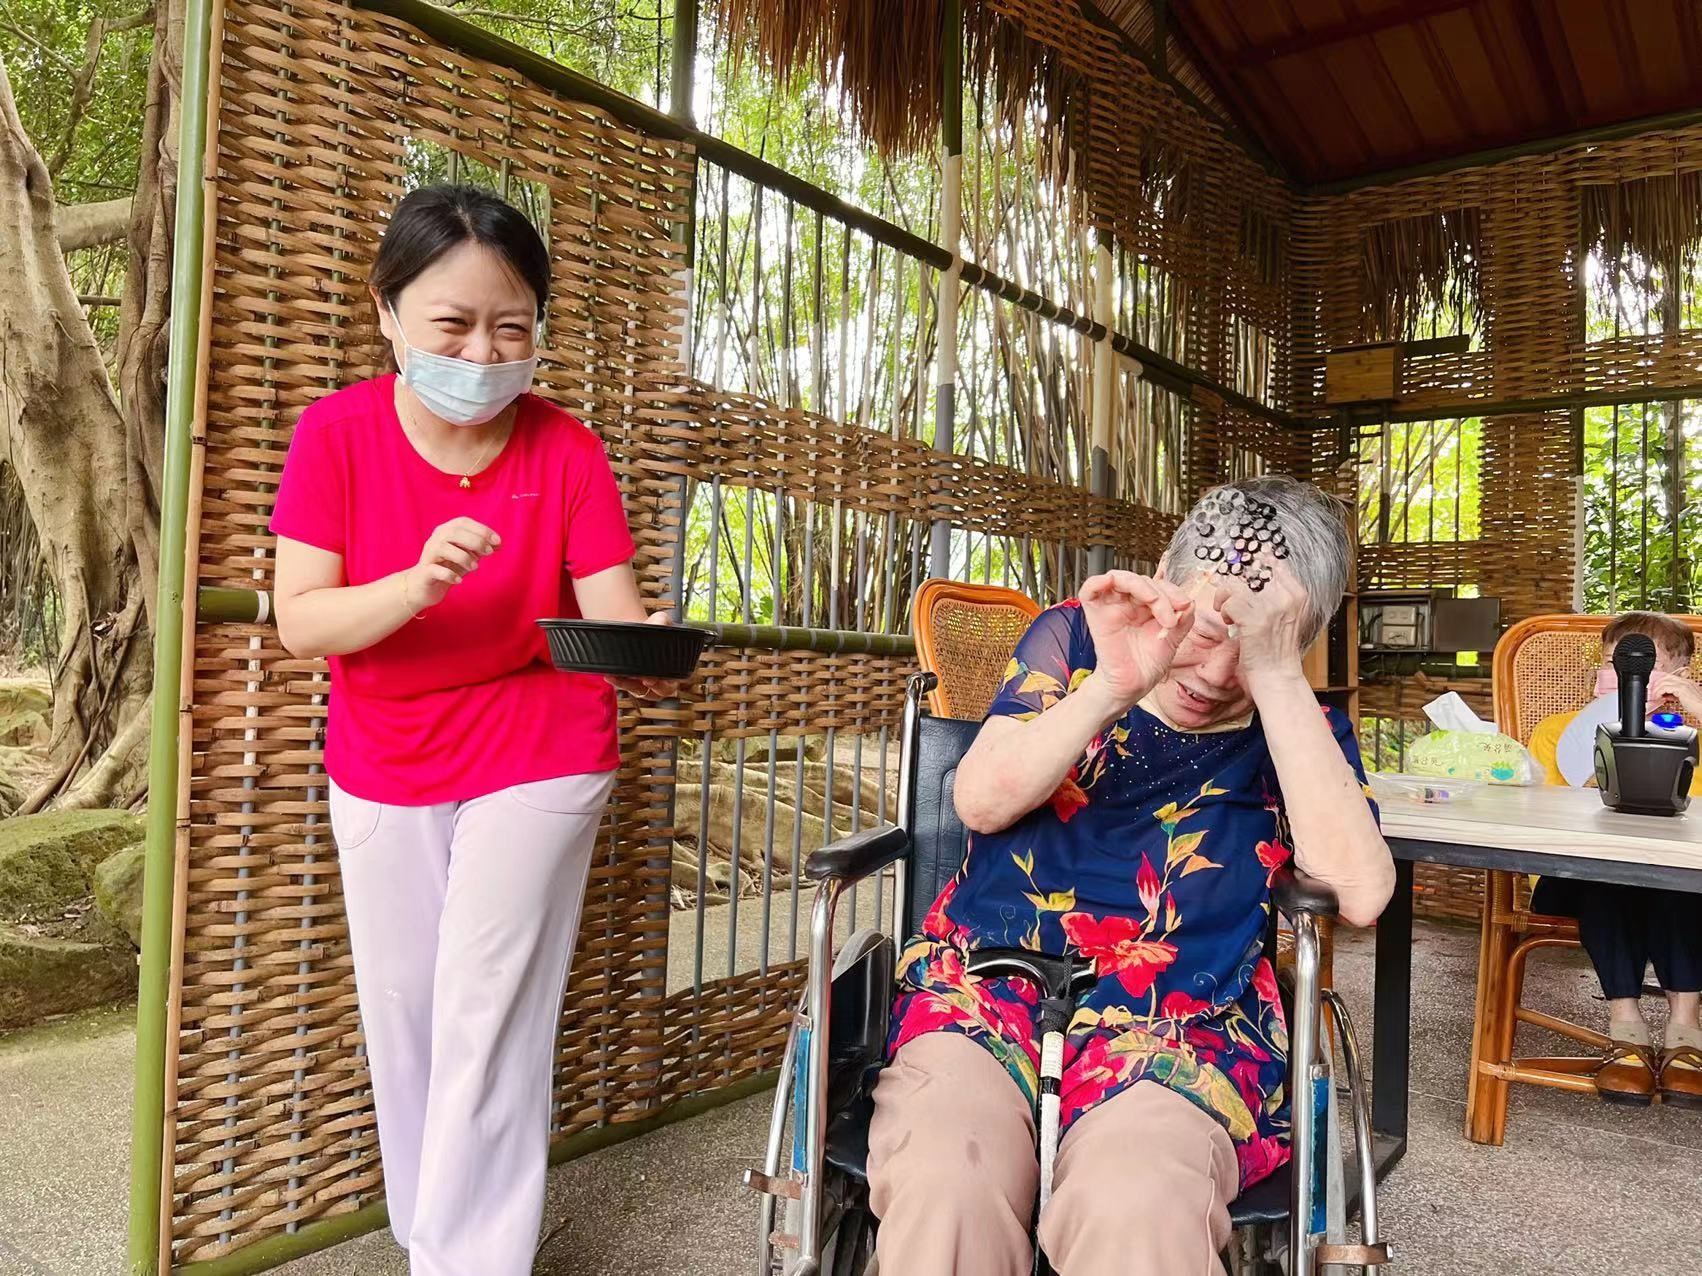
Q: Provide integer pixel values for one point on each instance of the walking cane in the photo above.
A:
(1060, 980)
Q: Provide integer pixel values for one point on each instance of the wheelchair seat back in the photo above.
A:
(938, 840)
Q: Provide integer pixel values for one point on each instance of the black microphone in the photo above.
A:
(1633, 662)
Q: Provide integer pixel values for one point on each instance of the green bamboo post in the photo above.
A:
(147, 1140)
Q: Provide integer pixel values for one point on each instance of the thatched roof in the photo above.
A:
(1415, 266)
(886, 57)
(1657, 219)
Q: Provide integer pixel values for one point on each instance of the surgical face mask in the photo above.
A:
(458, 390)
(1607, 682)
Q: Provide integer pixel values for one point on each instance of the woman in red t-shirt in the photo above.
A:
(425, 521)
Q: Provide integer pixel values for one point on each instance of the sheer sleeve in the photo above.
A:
(1050, 661)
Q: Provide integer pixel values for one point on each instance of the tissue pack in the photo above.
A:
(1489, 758)
(1465, 747)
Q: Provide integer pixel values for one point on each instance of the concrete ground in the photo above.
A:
(1578, 1188)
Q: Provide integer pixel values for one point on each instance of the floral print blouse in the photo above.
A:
(1154, 859)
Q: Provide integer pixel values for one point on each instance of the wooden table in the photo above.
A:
(1556, 832)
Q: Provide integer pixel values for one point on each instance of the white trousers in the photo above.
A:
(462, 917)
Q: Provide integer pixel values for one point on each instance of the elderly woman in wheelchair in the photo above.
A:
(1094, 980)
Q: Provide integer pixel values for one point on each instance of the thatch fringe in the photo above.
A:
(1411, 268)
(1029, 77)
(1644, 223)
(885, 57)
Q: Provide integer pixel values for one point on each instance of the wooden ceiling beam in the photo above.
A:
(1253, 118)
(1532, 36)
(1259, 54)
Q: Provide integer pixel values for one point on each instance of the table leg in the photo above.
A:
(1391, 1023)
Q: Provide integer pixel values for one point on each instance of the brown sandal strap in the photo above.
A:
(1689, 1055)
(1626, 1052)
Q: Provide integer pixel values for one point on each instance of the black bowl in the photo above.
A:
(624, 649)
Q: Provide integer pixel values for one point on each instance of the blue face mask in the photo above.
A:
(458, 390)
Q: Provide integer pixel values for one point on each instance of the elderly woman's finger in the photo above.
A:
(1181, 599)
(1133, 584)
(1095, 588)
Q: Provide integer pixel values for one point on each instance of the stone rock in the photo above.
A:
(48, 861)
(14, 785)
(118, 890)
(43, 975)
(59, 951)
(26, 711)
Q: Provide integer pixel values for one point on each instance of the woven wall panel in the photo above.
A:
(274, 1125)
(744, 441)
(323, 109)
(1531, 332)
(750, 693)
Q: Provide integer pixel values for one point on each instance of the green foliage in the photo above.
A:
(622, 43)
(90, 145)
(1421, 481)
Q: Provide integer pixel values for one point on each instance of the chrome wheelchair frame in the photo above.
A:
(827, 1220)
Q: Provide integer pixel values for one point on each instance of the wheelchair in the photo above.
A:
(1292, 1222)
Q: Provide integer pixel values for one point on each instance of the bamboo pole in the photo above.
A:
(189, 605)
(951, 278)
(189, 283)
(1104, 378)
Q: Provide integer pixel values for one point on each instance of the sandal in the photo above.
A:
(1627, 1075)
(1681, 1076)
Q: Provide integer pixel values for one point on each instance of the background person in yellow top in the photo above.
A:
(1624, 928)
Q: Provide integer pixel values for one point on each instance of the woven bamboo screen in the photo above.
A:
(323, 110)
(1503, 244)
(1169, 186)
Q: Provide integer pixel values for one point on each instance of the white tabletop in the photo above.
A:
(1548, 821)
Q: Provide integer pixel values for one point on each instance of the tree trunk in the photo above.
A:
(143, 319)
(65, 438)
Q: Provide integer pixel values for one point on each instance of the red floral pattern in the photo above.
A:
(1154, 860)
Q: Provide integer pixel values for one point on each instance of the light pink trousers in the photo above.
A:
(1142, 1188)
(462, 917)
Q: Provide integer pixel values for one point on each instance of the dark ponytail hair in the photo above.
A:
(434, 219)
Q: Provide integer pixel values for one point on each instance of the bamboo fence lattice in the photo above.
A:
(328, 112)
(326, 115)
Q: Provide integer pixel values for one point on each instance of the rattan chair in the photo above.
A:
(965, 635)
(1543, 666)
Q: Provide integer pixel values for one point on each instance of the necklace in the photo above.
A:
(466, 475)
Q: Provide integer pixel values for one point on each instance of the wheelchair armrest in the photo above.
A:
(853, 858)
(1295, 894)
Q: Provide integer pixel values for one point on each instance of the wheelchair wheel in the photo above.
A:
(852, 1251)
(849, 1249)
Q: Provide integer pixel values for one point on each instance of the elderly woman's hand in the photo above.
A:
(1266, 624)
(1137, 624)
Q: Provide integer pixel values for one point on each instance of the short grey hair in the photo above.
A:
(1315, 524)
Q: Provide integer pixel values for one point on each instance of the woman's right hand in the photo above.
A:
(451, 551)
(1137, 623)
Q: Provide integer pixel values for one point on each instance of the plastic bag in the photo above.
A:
(1465, 747)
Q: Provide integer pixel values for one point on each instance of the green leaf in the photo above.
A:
(1056, 902)
(1182, 847)
(1039, 682)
